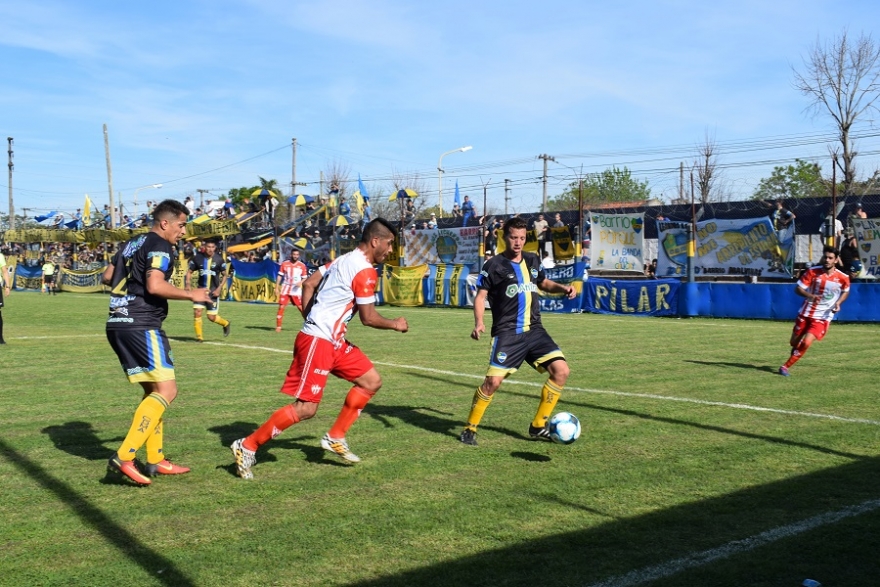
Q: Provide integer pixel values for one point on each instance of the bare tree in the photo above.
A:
(843, 78)
(706, 167)
(337, 175)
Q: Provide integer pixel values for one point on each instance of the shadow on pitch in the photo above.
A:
(766, 368)
(80, 440)
(312, 450)
(127, 543)
(267, 328)
(719, 429)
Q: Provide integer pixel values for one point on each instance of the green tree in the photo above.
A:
(611, 185)
(801, 180)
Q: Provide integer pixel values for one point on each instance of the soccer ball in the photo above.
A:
(564, 428)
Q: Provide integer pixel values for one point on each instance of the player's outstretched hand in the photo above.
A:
(201, 295)
(400, 324)
(475, 334)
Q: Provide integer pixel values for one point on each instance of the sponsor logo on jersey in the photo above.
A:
(514, 290)
(316, 389)
(322, 372)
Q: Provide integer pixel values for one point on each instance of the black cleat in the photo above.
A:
(468, 437)
(539, 433)
(226, 329)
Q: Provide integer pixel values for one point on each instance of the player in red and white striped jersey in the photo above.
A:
(825, 288)
(288, 285)
(331, 298)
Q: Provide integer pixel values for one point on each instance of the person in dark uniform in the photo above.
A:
(211, 273)
(510, 282)
(139, 279)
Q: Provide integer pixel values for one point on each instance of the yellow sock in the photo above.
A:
(147, 415)
(549, 396)
(197, 322)
(478, 408)
(221, 321)
(154, 444)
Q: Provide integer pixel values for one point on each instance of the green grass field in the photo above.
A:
(697, 466)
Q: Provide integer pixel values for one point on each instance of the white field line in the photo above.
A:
(597, 391)
(102, 335)
(735, 547)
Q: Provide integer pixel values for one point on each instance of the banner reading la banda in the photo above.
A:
(618, 241)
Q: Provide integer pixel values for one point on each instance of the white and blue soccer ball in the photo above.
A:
(564, 427)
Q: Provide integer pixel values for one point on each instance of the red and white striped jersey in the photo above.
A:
(350, 280)
(292, 275)
(828, 286)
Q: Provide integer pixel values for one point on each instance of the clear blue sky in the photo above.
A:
(208, 95)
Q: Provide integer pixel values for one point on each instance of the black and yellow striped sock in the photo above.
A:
(146, 417)
(478, 408)
(549, 396)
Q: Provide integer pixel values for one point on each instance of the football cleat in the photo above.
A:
(339, 447)
(468, 437)
(164, 467)
(784, 371)
(226, 329)
(127, 469)
(539, 433)
(244, 459)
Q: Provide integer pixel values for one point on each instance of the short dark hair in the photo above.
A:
(515, 222)
(378, 228)
(830, 249)
(169, 208)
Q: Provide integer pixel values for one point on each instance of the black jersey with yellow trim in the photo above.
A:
(512, 291)
(132, 307)
(208, 270)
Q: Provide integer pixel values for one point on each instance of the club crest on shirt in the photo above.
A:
(534, 273)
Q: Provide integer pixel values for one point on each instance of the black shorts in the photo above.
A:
(145, 355)
(2, 287)
(509, 350)
(212, 307)
(49, 278)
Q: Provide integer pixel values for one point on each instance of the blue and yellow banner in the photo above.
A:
(402, 286)
(446, 285)
(88, 281)
(254, 281)
(566, 275)
(650, 297)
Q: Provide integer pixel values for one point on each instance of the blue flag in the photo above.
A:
(457, 198)
(43, 217)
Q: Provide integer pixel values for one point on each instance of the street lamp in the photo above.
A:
(146, 187)
(440, 175)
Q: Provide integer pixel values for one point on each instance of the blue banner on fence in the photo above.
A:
(446, 284)
(572, 275)
(650, 297)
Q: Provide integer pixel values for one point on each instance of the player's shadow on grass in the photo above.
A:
(444, 379)
(80, 440)
(312, 450)
(269, 328)
(719, 429)
(426, 418)
(90, 514)
(766, 368)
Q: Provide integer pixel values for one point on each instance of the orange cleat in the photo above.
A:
(164, 467)
(127, 469)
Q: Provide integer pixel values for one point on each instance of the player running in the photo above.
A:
(511, 282)
(288, 285)
(139, 278)
(825, 288)
(211, 273)
(331, 297)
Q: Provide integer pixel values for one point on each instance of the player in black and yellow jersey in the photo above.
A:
(510, 281)
(211, 272)
(140, 289)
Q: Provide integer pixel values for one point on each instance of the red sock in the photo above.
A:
(279, 317)
(355, 401)
(277, 423)
(797, 353)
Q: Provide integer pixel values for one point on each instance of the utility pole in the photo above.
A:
(546, 158)
(681, 182)
(291, 210)
(11, 207)
(109, 178)
(506, 194)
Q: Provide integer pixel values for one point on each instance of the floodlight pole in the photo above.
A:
(440, 176)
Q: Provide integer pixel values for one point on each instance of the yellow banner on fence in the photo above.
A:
(402, 286)
(88, 281)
